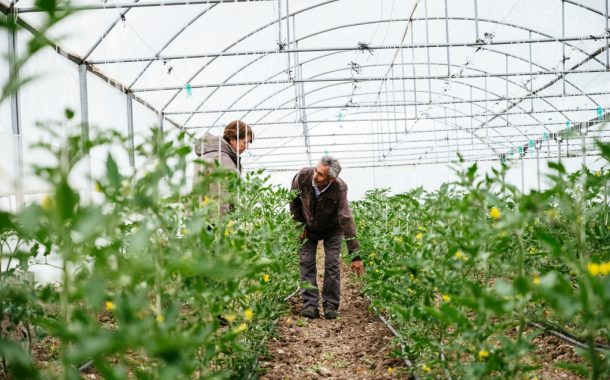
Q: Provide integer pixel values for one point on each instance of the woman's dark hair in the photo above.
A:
(245, 132)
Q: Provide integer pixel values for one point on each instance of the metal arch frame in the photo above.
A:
(418, 63)
(552, 82)
(149, 4)
(293, 14)
(108, 30)
(466, 44)
(332, 53)
(371, 22)
(398, 104)
(243, 38)
(442, 19)
(78, 61)
(570, 2)
(172, 39)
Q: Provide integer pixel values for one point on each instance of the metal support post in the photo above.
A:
(563, 46)
(161, 118)
(607, 32)
(84, 120)
(476, 19)
(428, 52)
(447, 39)
(583, 147)
(522, 174)
(15, 111)
(130, 135)
(538, 164)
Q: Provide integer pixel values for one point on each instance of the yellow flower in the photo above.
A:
(604, 268)
(229, 228)
(47, 203)
(536, 280)
(425, 368)
(110, 306)
(419, 236)
(160, 318)
(242, 327)
(266, 278)
(593, 269)
(390, 370)
(288, 321)
(248, 314)
(229, 317)
(494, 213)
(598, 173)
(532, 250)
(460, 256)
(372, 255)
(483, 354)
(446, 297)
(205, 201)
(420, 228)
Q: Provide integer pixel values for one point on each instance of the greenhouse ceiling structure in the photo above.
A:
(372, 82)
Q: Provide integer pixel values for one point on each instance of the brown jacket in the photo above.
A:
(326, 216)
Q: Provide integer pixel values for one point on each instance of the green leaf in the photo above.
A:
(65, 200)
(112, 171)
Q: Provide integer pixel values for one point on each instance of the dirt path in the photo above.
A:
(357, 345)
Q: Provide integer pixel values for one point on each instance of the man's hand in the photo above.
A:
(358, 267)
(303, 235)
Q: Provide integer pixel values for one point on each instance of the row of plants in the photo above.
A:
(154, 283)
(463, 271)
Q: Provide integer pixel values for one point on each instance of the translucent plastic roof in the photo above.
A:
(369, 81)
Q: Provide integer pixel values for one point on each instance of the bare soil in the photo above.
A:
(357, 345)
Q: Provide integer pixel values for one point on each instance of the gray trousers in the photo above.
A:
(332, 272)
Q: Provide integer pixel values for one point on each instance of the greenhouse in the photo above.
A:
(176, 174)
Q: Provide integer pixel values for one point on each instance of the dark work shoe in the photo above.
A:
(330, 313)
(311, 312)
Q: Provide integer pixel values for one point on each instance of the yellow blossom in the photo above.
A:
(446, 297)
(425, 368)
(205, 201)
(483, 354)
(47, 203)
(288, 321)
(604, 268)
(372, 255)
(593, 269)
(536, 280)
(420, 228)
(494, 213)
(532, 250)
(460, 256)
(160, 318)
(242, 327)
(229, 317)
(390, 370)
(266, 278)
(419, 236)
(598, 173)
(110, 306)
(229, 228)
(248, 314)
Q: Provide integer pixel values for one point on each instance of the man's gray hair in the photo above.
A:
(333, 163)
